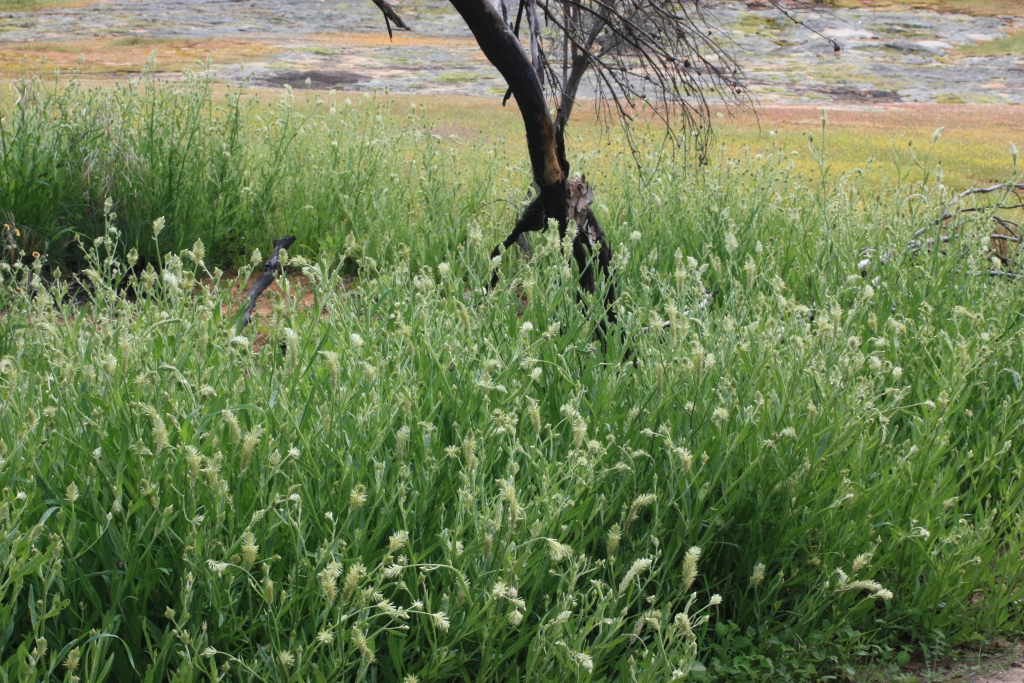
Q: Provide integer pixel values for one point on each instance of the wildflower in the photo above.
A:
(356, 497)
(750, 268)
(250, 550)
(721, 414)
(846, 585)
(682, 622)
(731, 243)
(286, 658)
(71, 495)
(357, 341)
(526, 328)
(508, 493)
(74, 657)
(862, 561)
(158, 227)
(333, 361)
(533, 408)
(398, 541)
(634, 510)
(362, 644)
(638, 567)
(209, 652)
(690, 567)
(559, 551)
(635, 236)
(328, 580)
(716, 599)
(39, 650)
(232, 422)
(758, 575)
(355, 573)
(441, 621)
(217, 567)
(884, 593)
(614, 537)
(515, 617)
(585, 661)
(198, 253)
(788, 431)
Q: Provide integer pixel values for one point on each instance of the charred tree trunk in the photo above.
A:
(558, 199)
(503, 49)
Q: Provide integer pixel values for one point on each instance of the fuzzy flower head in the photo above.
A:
(559, 551)
(398, 541)
(758, 575)
(690, 567)
(637, 568)
(250, 551)
(861, 561)
(356, 497)
(441, 621)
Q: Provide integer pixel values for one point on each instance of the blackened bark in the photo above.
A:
(503, 49)
(269, 271)
(390, 16)
(559, 199)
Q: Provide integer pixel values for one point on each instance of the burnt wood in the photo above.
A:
(269, 272)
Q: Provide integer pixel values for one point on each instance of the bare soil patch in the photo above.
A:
(313, 80)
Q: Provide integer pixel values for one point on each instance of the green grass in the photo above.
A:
(229, 170)
(28, 5)
(408, 477)
(1011, 45)
(461, 77)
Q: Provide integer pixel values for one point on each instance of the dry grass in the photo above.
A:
(103, 56)
(974, 147)
(982, 8)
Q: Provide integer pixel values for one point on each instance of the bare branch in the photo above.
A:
(390, 16)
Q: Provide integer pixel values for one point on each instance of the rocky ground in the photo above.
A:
(888, 55)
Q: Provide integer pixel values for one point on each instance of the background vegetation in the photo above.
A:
(400, 476)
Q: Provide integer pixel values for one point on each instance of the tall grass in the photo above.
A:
(771, 469)
(230, 169)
